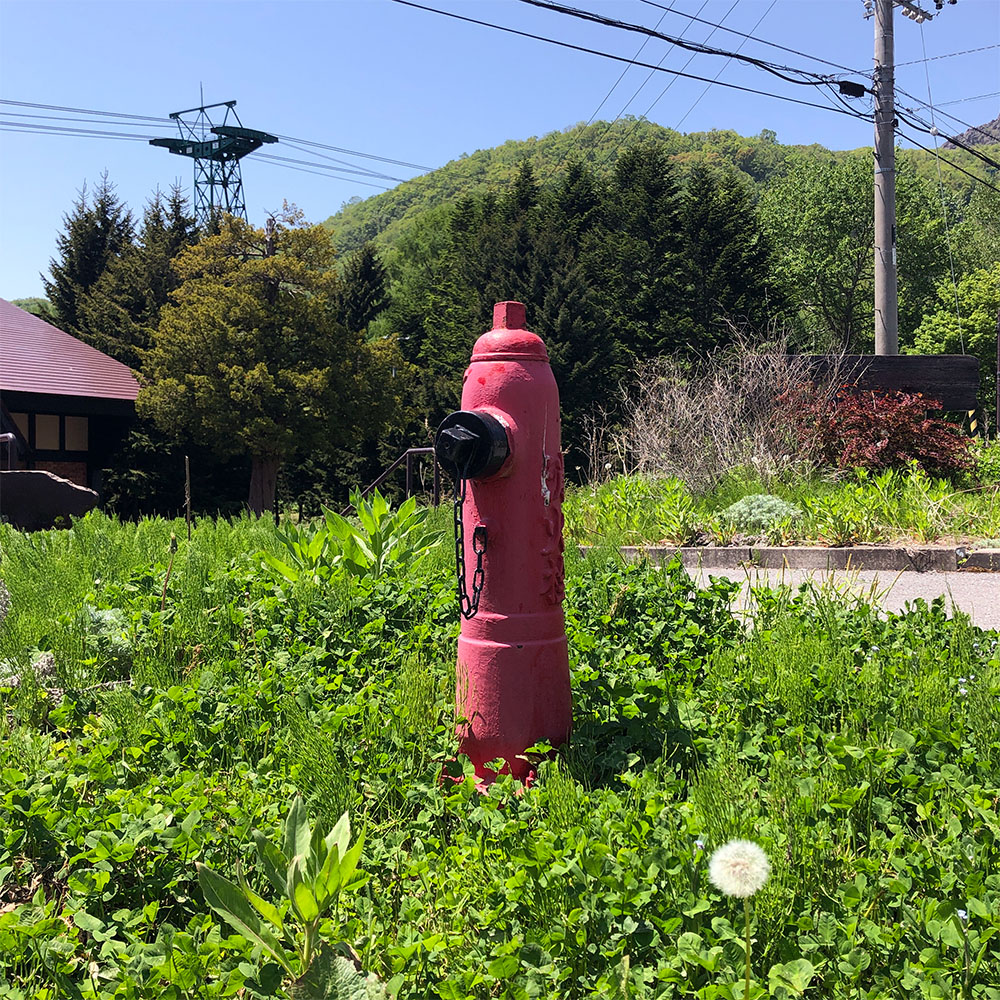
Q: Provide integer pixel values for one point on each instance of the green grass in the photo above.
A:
(860, 750)
(860, 507)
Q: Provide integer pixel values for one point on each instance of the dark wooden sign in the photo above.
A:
(952, 379)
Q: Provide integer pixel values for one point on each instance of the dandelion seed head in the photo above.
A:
(739, 868)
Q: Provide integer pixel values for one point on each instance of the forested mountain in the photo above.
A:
(761, 158)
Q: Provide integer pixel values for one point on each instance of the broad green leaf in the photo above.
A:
(340, 834)
(265, 908)
(795, 975)
(272, 860)
(227, 900)
(305, 902)
(282, 568)
(296, 833)
(350, 860)
(318, 853)
(333, 977)
(504, 967)
(292, 880)
(87, 921)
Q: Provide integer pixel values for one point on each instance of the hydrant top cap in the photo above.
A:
(508, 316)
(509, 339)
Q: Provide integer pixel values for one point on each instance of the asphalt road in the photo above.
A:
(977, 594)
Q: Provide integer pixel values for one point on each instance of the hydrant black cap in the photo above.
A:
(471, 444)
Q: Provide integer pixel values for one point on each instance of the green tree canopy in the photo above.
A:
(966, 323)
(251, 356)
(820, 220)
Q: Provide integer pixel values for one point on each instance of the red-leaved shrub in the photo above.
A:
(875, 430)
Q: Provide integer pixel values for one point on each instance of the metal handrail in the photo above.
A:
(406, 457)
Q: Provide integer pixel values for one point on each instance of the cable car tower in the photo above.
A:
(216, 151)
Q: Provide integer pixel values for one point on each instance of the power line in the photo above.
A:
(617, 58)
(334, 159)
(954, 166)
(84, 111)
(697, 47)
(659, 97)
(963, 100)
(320, 173)
(39, 129)
(36, 128)
(762, 41)
(621, 77)
(972, 128)
(171, 121)
(355, 152)
(949, 55)
(698, 99)
(625, 136)
(323, 166)
(922, 126)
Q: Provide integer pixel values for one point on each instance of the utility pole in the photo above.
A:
(886, 302)
(886, 289)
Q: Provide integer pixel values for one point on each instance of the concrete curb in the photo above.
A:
(918, 559)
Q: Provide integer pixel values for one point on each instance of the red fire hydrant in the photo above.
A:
(503, 450)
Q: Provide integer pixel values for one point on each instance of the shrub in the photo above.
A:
(698, 421)
(986, 462)
(876, 430)
(758, 512)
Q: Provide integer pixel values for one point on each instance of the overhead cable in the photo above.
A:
(954, 166)
(172, 121)
(948, 55)
(964, 100)
(617, 58)
(941, 197)
(762, 41)
(698, 99)
(782, 72)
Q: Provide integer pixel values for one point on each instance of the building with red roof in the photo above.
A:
(63, 404)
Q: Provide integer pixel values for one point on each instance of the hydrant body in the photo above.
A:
(513, 685)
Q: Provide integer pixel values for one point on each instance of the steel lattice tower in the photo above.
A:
(216, 151)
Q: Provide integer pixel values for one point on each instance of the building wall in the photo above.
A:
(75, 472)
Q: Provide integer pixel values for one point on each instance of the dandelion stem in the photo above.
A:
(746, 917)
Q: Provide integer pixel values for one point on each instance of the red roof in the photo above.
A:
(38, 357)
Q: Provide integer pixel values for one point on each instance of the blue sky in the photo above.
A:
(377, 77)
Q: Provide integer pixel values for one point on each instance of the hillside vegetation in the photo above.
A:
(761, 158)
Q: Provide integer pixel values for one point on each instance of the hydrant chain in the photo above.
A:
(468, 606)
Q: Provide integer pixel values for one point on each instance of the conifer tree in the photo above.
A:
(727, 258)
(641, 257)
(96, 231)
(250, 356)
(365, 289)
(119, 312)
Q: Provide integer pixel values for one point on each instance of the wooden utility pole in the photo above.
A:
(886, 301)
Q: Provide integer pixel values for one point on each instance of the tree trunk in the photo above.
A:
(263, 482)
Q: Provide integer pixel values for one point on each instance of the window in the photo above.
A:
(76, 433)
(21, 422)
(46, 432)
